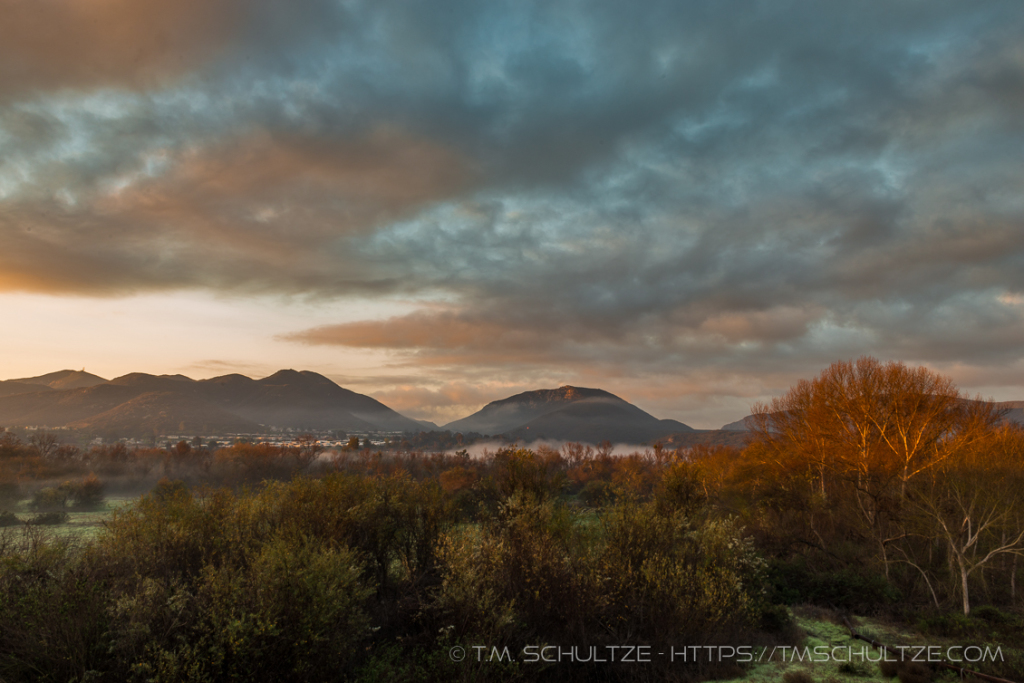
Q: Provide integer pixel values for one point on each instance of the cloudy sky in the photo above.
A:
(690, 204)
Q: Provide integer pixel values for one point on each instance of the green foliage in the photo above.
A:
(8, 518)
(86, 494)
(49, 518)
(597, 493)
(857, 669)
(681, 489)
(533, 572)
(395, 664)
(52, 626)
(10, 493)
(167, 489)
(294, 611)
(984, 622)
(798, 676)
(536, 475)
(860, 591)
(51, 498)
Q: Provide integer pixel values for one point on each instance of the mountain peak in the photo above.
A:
(568, 412)
(290, 376)
(64, 379)
(563, 394)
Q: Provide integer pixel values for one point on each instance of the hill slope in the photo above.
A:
(567, 413)
(1013, 411)
(64, 379)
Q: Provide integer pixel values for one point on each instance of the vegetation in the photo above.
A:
(873, 489)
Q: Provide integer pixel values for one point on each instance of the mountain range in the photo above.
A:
(140, 404)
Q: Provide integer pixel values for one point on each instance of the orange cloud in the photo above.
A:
(73, 43)
(444, 337)
(261, 210)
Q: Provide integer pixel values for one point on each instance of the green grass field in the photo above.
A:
(80, 526)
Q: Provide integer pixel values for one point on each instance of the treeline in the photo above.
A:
(43, 463)
(353, 577)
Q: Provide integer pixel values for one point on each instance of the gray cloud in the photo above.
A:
(689, 190)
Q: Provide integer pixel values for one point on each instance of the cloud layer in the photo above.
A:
(664, 200)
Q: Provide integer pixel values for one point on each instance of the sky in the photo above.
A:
(692, 205)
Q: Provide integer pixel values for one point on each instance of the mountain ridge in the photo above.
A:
(139, 403)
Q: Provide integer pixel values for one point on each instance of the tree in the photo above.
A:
(862, 431)
(45, 444)
(972, 506)
(308, 448)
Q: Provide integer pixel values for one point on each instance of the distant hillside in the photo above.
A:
(570, 414)
(707, 437)
(12, 388)
(746, 424)
(58, 408)
(164, 413)
(1013, 411)
(64, 379)
(304, 400)
(141, 404)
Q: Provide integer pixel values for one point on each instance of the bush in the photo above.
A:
(52, 620)
(597, 493)
(293, 613)
(914, 672)
(888, 668)
(49, 518)
(992, 615)
(10, 493)
(8, 518)
(88, 493)
(532, 573)
(799, 676)
(167, 489)
(51, 498)
(792, 582)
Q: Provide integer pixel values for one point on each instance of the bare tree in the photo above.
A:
(45, 444)
(972, 506)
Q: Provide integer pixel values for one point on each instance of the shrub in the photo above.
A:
(88, 493)
(681, 489)
(49, 518)
(85, 494)
(52, 621)
(293, 613)
(531, 572)
(8, 518)
(888, 667)
(991, 614)
(861, 591)
(854, 669)
(51, 498)
(10, 493)
(799, 676)
(166, 489)
(914, 672)
(597, 493)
